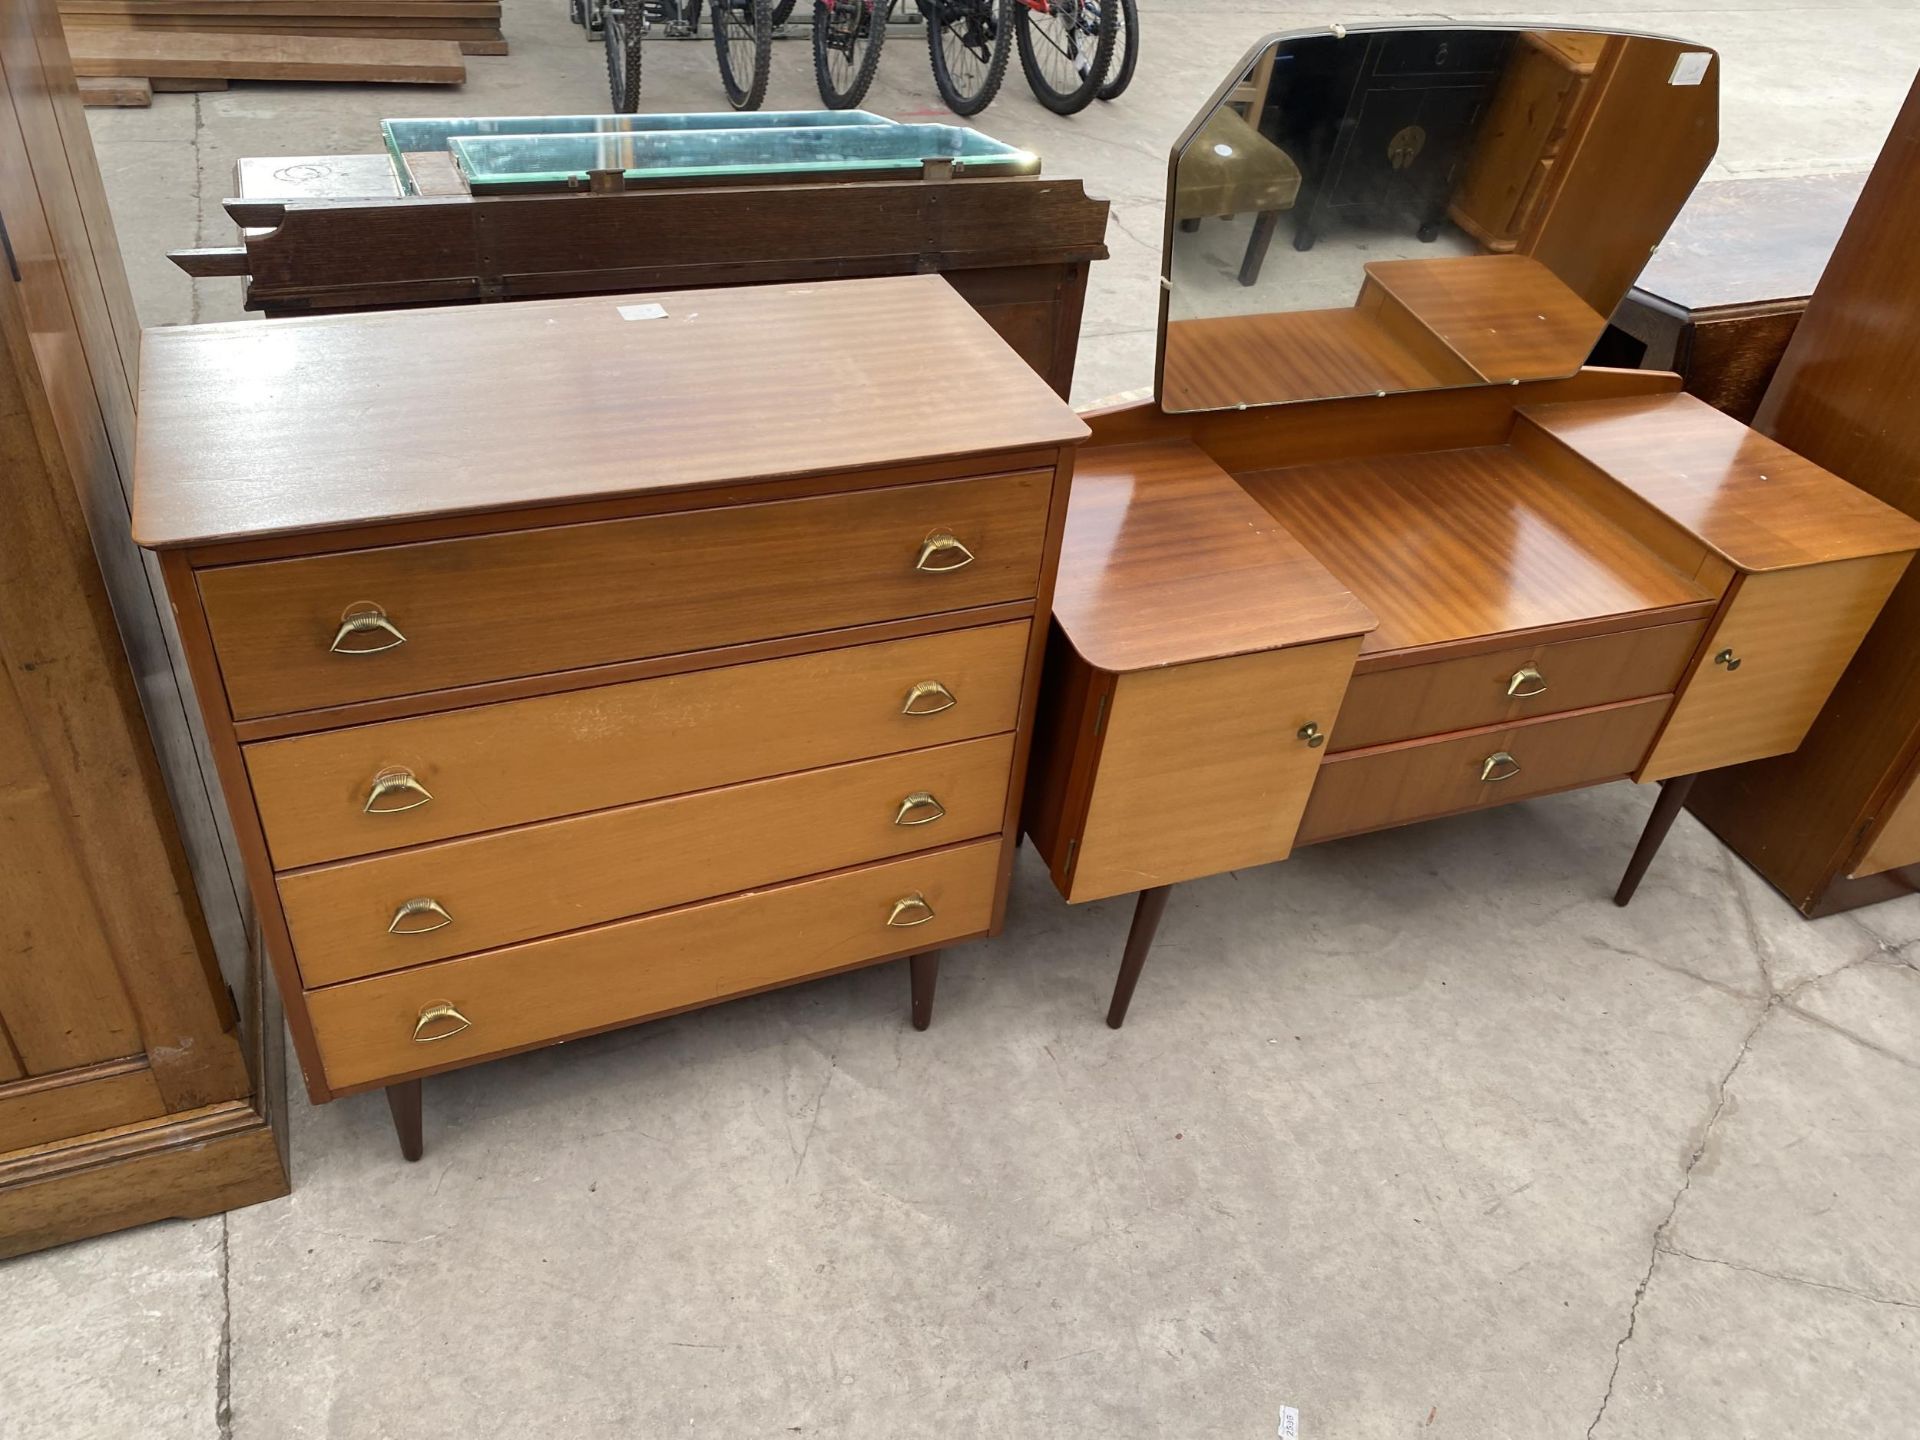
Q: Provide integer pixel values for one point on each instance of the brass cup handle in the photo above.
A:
(928, 697)
(1491, 769)
(923, 801)
(1728, 659)
(914, 904)
(1523, 678)
(366, 620)
(422, 906)
(941, 543)
(395, 782)
(431, 1015)
(1311, 733)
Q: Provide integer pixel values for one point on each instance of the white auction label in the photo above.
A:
(1691, 68)
(1289, 1423)
(643, 312)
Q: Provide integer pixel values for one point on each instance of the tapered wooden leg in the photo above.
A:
(1190, 224)
(404, 1101)
(1673, 794)
(1264, 224)
(1147, 911)
(926, 974)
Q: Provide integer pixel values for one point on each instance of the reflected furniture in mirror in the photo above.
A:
(1457, 568)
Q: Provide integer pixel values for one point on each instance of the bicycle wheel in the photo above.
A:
(847, 36)
(743, 41)
(967, 44)
(1126, 50)
(1065, 46)
(781, 10)
(621, 26)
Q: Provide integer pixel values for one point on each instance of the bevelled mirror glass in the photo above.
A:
(1364, 211)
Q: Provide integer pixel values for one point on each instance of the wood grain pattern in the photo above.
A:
(1202, 768)
(78, 1102)
(633, 970)
(1167, 560)
(1275, 359)
(1747, 498)
(541, 879)
(188, 55)
(536, 759)
(1506, 317)
(222, 455)
(1414, 700)
(1463, 543)
(1422, 779)
(1895, 841)
(557, 598)
(1794, 632)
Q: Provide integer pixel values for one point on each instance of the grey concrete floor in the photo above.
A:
(1416, 1133)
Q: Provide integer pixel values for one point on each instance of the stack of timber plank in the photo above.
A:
(201, 43)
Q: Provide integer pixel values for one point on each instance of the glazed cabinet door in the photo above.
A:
(1206, 767)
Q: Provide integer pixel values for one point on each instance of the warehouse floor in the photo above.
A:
(1416, 1134)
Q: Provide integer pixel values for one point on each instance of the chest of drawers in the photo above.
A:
(570, 664)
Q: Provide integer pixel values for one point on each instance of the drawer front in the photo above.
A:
(1493, 689)
(491, 607)
(365, 917)
(525, 760)
(1793, 632)
(615, 974)
(1418, 780)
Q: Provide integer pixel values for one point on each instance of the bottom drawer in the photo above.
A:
(526, 995)
(1420, 779)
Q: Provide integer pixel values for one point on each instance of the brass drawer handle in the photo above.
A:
(432, 1014)
(1310, 732)
(929, 697)
(1524, 676)
(1491, 769)
(421, 906)
(365, 619)
(941, 543)
(394, 782)
(1728, 659)
(919, 800)
(914, 904)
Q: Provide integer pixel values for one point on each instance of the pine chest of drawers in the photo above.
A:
(570, 664)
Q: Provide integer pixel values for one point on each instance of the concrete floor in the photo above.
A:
(1416, 1134)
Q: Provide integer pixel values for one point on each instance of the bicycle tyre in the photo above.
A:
(743, 34)
(846, 92)
(1126, 51)
(781, 10)
(995, 18)
(621, 30)
(1037, 54)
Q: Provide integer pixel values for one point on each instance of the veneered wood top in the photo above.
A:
(1506, 316)
(1230, 360)
(1458, 544)
(1746, 242)
(1747, 498)
(1166, 560)
(275, 426)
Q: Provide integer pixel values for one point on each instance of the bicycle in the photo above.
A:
(967, 49)
(1065, 48)
(1126, 50)
(742, 42)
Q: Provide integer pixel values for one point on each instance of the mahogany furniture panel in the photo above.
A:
(817, 765)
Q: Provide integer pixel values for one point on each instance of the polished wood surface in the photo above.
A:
(1746, 497)
(1494, 688)
(519, 884)
(1463, 543)
(557, 598)
(537, 759)
(1167, 560)
(1275, 359)
(1420, 779)
(1895, 840)
(674, 960)
(1202, 767)
(1793, 632)
(1506, 317)
(537, 402)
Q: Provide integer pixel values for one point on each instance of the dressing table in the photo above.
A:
(1383, 548)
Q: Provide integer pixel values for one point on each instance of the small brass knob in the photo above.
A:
(1526, 683)
(395, 782)
(365, 618)
(443, 1014)
(438, 918)
(1728, 659)
(945, 548)
(1310, 732)
(919, 808)
(910, 910)
(929, 697)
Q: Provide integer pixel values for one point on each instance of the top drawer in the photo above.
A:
(492, 607)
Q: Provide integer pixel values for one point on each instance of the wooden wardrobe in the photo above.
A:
(126, 1088)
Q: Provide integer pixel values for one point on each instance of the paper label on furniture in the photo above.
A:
(643, 312)
(1691, 68)
(1289, 1423)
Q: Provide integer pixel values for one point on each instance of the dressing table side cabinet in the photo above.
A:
(1836, 824)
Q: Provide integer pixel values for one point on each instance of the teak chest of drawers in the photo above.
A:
(557, 684)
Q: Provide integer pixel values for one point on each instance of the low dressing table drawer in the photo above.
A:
(334, 629)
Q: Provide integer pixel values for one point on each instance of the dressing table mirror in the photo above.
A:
(1384, 548)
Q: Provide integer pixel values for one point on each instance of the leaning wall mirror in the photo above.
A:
(1377, 210)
